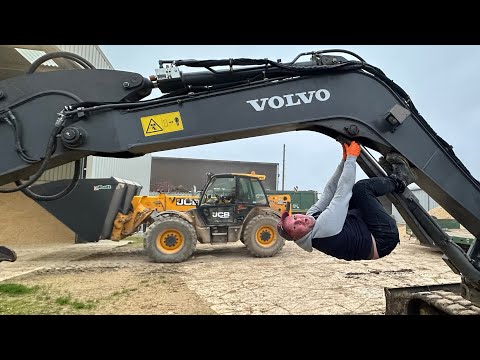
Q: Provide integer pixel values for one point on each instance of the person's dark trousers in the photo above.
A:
(382, 226)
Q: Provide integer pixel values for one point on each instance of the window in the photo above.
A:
(251, 192)
(220, 191)
(259, 193)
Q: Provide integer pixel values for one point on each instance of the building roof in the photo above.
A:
(16, 59)
(157, 157)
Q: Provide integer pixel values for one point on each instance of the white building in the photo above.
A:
(425, 200)
(26, 221)
(135, 169)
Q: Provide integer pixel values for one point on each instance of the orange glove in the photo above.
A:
(344, 148)
(353, 149)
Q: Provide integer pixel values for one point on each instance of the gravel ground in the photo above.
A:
(223, 279)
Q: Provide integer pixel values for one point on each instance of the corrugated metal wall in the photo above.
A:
(168, 173)
(92, 53)
(136, 169)
(425, 200)
(59, 173)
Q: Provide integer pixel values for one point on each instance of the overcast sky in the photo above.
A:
(443, 82)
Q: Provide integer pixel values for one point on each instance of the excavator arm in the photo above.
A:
(49, 119)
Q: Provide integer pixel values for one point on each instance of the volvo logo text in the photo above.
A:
(277, 102)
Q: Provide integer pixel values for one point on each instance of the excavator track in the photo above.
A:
(442, 299)
(328, 94)
(447, 302)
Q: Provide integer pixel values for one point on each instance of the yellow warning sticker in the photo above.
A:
(161, 123)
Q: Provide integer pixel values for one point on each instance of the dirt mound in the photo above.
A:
(440, 213)
(23, 221)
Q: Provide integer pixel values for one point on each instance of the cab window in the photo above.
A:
(220, 191)
(250, 191)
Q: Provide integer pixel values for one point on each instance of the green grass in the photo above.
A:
(67, 300)
(80, 305)
(18, 299)
(124, 291)
(16, 289)
(63, 300)
(137, 240)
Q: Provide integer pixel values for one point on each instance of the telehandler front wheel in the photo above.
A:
(170, 240)
(261, 237)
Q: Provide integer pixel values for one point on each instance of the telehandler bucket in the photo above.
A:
(90, 209)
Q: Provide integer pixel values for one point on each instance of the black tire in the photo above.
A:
(170, 240)
(261, 237)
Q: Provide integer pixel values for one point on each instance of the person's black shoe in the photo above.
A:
(401, 168)
(385, 165)
(400, 185)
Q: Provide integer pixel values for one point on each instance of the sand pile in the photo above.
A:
(23, 221)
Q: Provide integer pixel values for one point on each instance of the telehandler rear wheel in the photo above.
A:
(170, 240)
(261, 237)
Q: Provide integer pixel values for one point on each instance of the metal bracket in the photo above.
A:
(396, 116)
(171, 72)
